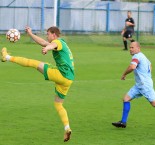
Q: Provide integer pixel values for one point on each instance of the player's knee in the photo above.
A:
(126, 98)
(41, 67)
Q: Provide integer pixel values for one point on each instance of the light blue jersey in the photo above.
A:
(144, 83)
(143, 70)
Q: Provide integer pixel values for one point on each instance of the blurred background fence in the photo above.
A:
(77, 16)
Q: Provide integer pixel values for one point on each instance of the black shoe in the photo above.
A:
(119, 124)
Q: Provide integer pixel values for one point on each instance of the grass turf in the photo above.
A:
(27, 114)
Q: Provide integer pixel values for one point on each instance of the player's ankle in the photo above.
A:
(8, 57)
(67, 127)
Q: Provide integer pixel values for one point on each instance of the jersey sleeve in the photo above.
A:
(58, 42)
(135, 60)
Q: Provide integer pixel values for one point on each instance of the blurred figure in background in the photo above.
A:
(128, 31)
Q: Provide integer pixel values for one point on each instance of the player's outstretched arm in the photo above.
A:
(130, 68)
(36, 38)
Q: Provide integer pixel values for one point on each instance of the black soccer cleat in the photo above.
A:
(119, 124)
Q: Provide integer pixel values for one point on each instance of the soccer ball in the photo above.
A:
(13, 35)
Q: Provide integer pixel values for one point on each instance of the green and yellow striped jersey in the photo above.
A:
(64, 59)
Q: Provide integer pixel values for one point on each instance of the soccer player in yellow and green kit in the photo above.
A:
(62, 74)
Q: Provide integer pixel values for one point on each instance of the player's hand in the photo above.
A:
(44, 50)
(28, 30)
(122, 33)
(123, 77)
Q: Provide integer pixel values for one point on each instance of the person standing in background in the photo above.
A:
(128, 31)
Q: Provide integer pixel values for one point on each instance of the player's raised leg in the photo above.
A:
(19, 60)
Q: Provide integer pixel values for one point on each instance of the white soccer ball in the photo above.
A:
(13, 35)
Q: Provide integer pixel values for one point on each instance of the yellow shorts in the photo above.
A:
(62, 84)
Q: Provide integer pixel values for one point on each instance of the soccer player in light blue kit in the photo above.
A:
(143, 86)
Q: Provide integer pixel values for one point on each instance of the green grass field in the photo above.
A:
(27, 114)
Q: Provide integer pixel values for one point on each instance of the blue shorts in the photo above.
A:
(136, 92)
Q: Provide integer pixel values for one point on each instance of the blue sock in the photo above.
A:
(126, 109)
